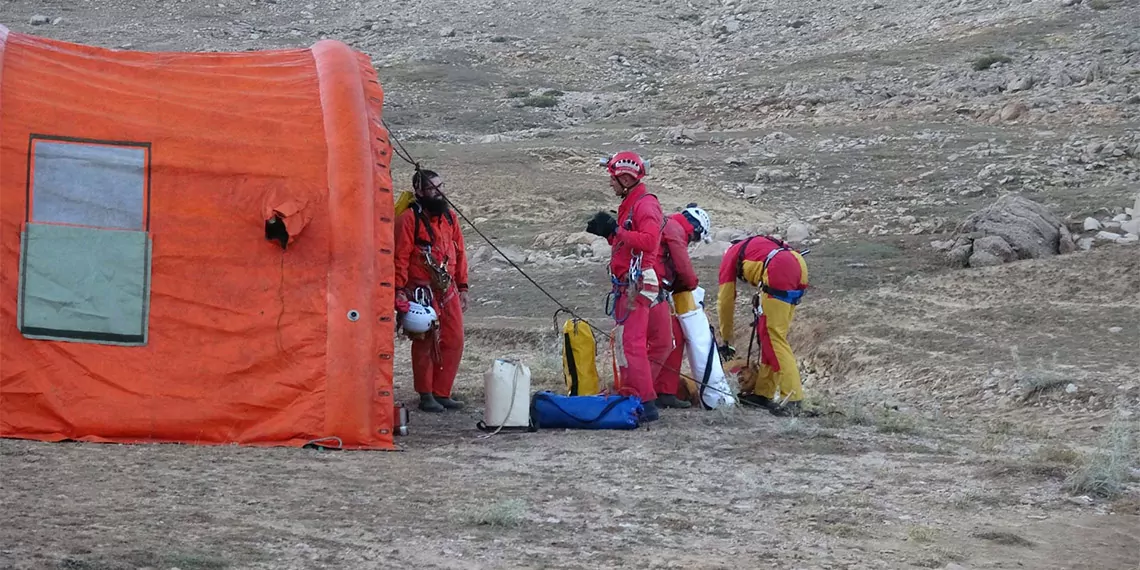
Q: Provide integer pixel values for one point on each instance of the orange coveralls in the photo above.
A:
(417, 234)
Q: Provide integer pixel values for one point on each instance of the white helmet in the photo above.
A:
(699, 219)
(419, 318)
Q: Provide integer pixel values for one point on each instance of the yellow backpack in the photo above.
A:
(579, 359)
(403, 200)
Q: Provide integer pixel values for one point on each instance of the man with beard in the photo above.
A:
(431, 270)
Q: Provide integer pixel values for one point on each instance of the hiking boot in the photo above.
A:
(671, 401)
(449, 403)
(651, 414)
(429, 404)
(758, 400)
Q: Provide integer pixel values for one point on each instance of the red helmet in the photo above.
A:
(626, 162)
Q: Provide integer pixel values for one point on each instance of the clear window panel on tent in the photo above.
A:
(85, 249)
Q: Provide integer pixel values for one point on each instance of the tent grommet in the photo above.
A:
(354, 315)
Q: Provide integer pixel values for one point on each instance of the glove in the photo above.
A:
(402, 305)
(726, 352)
(602, 224)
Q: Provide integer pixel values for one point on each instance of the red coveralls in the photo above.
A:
(633, 315)
(676, 268)
(444, 236)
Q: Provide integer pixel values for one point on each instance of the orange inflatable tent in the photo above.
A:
(194, 247)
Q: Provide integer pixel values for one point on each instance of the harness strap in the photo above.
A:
(792, 297)
(420, 215)
(740, 257)
(571, 365)
(632, 207)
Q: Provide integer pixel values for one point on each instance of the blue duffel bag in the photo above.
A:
(551, 410)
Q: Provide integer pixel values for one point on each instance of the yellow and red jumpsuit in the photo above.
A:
(782, 276)
(677, 269)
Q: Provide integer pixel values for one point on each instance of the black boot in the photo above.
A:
(449, 403)
(651, 414)
(429, 404)
(671, 401)
(758, 400)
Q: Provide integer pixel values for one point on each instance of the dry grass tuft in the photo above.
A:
(1105, 474)
(502, 514)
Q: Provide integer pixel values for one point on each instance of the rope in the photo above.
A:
(406, 156)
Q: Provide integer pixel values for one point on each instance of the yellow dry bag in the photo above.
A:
(579, 364)
(404, 200)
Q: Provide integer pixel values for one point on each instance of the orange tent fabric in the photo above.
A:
(152, 176)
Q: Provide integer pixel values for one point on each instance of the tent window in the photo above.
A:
(96, 185)
(85, 253)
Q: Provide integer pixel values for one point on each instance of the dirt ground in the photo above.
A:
(967, 412)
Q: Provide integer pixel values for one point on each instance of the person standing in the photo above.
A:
(781, 275)
(635, 240)
(677, 276)
(431, 269)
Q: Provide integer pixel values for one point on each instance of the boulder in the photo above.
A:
(1131, 226)
(1066, 244)
(711, 250)
(729, 234)
(798, 232)
(559, 240)
(984, 259)
(995, 246)
(959, 254)
(1012, 228)
(600, 249)
(772, 175)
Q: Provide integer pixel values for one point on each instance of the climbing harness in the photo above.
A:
(441, 280)
(792, 297)
(620, 288)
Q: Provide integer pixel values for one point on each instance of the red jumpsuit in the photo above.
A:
(677, 269)
(443, 234)
(642, 212)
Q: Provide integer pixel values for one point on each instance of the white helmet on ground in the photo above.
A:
(419, 318)
(700, 221)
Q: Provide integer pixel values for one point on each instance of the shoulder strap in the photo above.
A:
(740, 257)
(780, 246)
(633, 206)
(420, 215)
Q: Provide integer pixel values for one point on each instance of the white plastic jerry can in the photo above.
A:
(506, 390)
